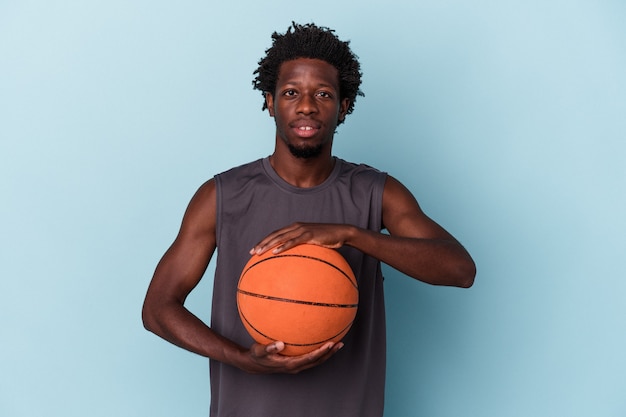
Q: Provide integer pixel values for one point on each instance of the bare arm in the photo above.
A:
(178, 273)
(416, 245)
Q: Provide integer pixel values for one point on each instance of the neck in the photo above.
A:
(302, 172)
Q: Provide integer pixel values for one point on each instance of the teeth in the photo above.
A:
(305, 128)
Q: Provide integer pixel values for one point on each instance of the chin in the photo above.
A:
(306, 152)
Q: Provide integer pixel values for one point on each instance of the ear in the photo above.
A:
(343, 108)
(269, 102)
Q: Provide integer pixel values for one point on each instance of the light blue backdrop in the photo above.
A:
(506, 119)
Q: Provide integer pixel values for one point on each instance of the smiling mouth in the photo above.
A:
(305, 131)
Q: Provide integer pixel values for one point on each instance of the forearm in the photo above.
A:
(434, 261)
(174, 323)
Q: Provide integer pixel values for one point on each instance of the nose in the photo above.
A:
(307, 104)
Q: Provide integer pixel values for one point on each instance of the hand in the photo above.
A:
(327, 235)
(266, 359)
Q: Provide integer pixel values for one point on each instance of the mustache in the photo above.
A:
(316, 124)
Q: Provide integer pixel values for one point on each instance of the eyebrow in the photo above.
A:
(320, 85)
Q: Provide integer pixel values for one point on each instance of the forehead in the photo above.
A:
(308, 70)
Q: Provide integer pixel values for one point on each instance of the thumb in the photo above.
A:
(260, 351)
(275, 347)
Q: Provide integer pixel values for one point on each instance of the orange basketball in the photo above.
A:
(304, 297)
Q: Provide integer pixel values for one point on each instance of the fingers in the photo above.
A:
(315, 358)
(327, 235)
(282, 239)
(321, 355)
(267, 358)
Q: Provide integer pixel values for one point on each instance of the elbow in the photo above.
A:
(461, 276)
(148, 317)
(466, 283)
(466, 275)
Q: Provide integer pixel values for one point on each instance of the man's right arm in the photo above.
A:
(178, 273)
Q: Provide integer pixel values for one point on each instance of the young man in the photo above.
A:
(299, 194)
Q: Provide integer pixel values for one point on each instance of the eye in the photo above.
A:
(324, 94)
(289, 93)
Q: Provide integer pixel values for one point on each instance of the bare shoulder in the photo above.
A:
(200, 215)
(395, 191)
(205, 195)
(398, 200)
(195, 242)
(403, 216)
(183, 264)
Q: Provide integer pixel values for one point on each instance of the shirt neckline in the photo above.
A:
(279, 181)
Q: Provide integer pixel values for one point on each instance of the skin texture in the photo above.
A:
(306, 107)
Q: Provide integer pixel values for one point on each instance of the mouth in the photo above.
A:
(305, 129)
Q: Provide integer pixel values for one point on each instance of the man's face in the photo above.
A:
(306, 105)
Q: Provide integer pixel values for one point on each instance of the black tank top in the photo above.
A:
(252, 201)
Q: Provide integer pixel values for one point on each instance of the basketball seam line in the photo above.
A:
(290, 300)
(288, 255)
(291, 343)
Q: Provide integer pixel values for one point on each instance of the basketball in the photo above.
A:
(305, 297)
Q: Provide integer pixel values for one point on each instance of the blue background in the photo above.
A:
(505, 118)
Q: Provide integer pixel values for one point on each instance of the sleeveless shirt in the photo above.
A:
(253, 201)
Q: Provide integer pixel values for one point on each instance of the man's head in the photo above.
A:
(310, 41)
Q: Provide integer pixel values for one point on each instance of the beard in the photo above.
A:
(305, 152)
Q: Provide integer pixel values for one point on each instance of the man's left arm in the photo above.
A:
(416, 245)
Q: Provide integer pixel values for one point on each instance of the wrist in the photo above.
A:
(352, 233)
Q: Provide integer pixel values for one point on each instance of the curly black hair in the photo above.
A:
(310, 41)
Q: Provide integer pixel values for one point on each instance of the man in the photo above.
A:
(299, 194)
